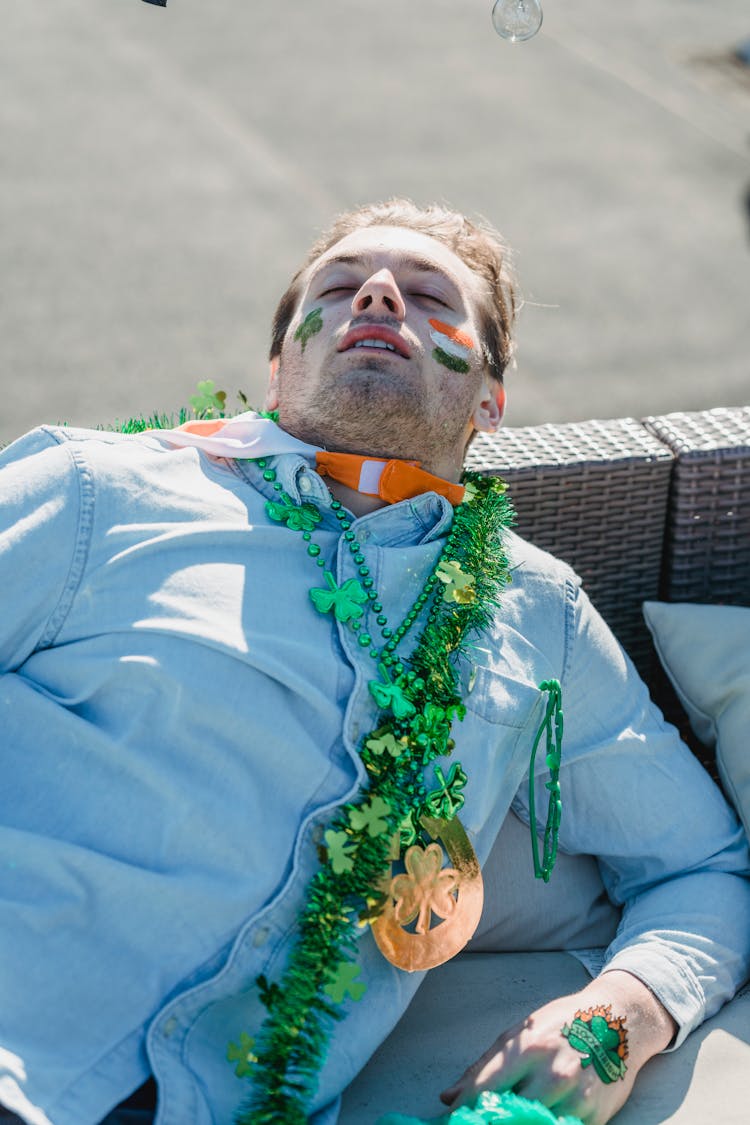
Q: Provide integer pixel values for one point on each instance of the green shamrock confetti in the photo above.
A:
(470, 492)
(386, 744)
(310, 326)
(370, 817)
(242, 1054)
(342, 981)
(443, 803)
(208, 400)
(391, 695)
(345, 600)
(340, 848)
(459, 586)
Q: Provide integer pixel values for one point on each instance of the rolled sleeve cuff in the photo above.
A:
(672, 983)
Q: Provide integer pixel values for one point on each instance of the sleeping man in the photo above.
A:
(269, 695)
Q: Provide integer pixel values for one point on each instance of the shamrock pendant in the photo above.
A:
(427, 889)
(346, 601)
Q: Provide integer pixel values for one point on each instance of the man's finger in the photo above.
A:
(490, 1072)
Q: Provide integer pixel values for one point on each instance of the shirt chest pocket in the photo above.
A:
(498, 696)
(494, 742)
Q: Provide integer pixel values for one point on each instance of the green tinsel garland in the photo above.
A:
(293, 1040)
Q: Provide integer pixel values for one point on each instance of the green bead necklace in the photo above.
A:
(417, 706)
(348, 601)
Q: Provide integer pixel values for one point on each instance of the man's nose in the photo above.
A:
(380, 295)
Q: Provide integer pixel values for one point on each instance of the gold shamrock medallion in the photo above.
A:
(427, 889)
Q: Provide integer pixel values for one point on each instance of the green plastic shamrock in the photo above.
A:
(340, 847)
(310, 326)
(297, 517)
(601, 1040)
(459, 586)
(432, 728)
(208, 399)
(444, 803)
(371, 817)
(346, 601)
(242, 1054)
(391, 695)
(408, 829)
(386, 744)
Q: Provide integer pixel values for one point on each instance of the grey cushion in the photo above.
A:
(523, 913)
(463, 1006)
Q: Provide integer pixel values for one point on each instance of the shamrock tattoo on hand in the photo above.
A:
(601, 1039)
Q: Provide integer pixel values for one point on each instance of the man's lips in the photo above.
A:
(375, 332)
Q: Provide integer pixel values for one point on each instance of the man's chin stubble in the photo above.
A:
(364, 412)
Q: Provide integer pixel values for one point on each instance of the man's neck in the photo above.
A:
(358, 503)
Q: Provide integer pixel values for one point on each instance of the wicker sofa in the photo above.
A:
(643, 510)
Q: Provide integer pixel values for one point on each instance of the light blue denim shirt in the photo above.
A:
(178, 724)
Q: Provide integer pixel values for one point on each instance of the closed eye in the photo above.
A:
(430, 297)
(338, 289)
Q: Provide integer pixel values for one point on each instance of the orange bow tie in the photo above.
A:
(390, 480)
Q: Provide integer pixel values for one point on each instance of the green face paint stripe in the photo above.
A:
(452, 362)
(310, 326)
(597, 1037)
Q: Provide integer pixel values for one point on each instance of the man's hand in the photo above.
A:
(583, 1070)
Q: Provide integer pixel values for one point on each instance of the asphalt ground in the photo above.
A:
(164, 169)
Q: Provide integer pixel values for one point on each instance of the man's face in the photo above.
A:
(383, 355)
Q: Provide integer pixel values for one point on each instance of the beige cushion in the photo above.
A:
(705, 650)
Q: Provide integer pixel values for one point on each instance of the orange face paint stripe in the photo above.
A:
(452, 333)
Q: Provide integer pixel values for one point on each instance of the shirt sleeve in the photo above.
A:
(43, 514)
(669, 847)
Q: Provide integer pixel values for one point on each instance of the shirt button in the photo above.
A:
(261, 936)
(305, 484)
(169, 1027)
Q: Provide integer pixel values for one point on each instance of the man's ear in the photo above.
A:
(272, 390)
(489, 414)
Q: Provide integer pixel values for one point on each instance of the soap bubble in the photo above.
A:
(517, 19)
